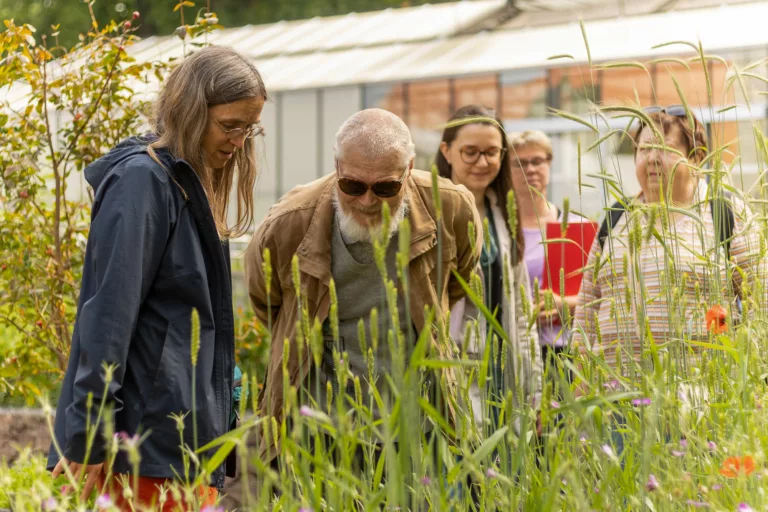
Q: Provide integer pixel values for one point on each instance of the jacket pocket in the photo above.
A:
(172, 390)
(172, 387)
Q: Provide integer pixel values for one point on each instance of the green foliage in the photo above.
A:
(27, 476)
(62, 116)
(681, 418)
(252, 344)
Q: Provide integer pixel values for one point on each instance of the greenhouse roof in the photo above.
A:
(469, 37)
(443, 40)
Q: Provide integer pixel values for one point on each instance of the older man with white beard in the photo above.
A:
(330, 224)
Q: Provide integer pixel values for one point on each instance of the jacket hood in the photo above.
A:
(98, 170)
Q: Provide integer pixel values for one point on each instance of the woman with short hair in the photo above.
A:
(530, 161)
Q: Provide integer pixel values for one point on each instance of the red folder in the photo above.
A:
(568, 251)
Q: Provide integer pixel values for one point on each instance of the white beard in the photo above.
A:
(352, 231)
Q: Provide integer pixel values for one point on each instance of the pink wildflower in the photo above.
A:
(103, 501)
(652, 484)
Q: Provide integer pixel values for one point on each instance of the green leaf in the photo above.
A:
(488, 445)
(605, 177)
(436, 417)
(232, 435)
(627, 64)
(574, 118)
(604, 138)
(210, 465)
(672, 59)
(421, 345)
(672, 43)
(586, 41)
(483, 373)
(726, 109)
(561, 56)
(712, 346)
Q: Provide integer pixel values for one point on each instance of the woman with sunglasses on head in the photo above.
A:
(156, 252)
(642, 280)
(473, 153)
(530, 160)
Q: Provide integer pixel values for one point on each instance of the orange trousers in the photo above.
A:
(149, 494)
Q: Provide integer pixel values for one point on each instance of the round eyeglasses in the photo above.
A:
(471, 154)
(250, 132)
(520, 163)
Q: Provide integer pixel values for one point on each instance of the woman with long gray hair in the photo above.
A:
(157, 264)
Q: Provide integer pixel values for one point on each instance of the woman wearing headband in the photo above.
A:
(473, 153)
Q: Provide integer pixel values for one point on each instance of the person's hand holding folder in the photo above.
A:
(566, 250)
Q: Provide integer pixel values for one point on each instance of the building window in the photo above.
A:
(693, 84)
(573, 88)
(429, 104)
(524, 94)
(387, 96)
(627, 86)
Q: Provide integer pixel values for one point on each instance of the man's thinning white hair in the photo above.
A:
(376, 133)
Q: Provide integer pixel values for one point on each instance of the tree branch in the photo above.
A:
(53, 348)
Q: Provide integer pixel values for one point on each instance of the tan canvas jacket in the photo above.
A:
(300, 223)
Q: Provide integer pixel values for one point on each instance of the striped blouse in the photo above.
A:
(663, 290)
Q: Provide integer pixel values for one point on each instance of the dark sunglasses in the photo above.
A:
(355, 188)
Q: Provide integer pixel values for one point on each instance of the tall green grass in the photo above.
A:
(683, 418)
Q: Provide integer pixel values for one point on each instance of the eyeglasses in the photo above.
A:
(251, 131)
(355, 188)
(520, 163)
(471, 154)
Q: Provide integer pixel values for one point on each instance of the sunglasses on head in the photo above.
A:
(672, 110)
(355, 188)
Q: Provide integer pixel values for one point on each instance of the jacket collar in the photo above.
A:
(314, 251)
(422, 219)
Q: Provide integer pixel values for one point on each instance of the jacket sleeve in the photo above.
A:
(130, 226)
(264, 305)
(467, 251)
(527, 340)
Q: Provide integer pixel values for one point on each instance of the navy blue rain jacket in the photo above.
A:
(152, 255)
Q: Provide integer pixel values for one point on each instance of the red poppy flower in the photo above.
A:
(734, 466)
(716, 317)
